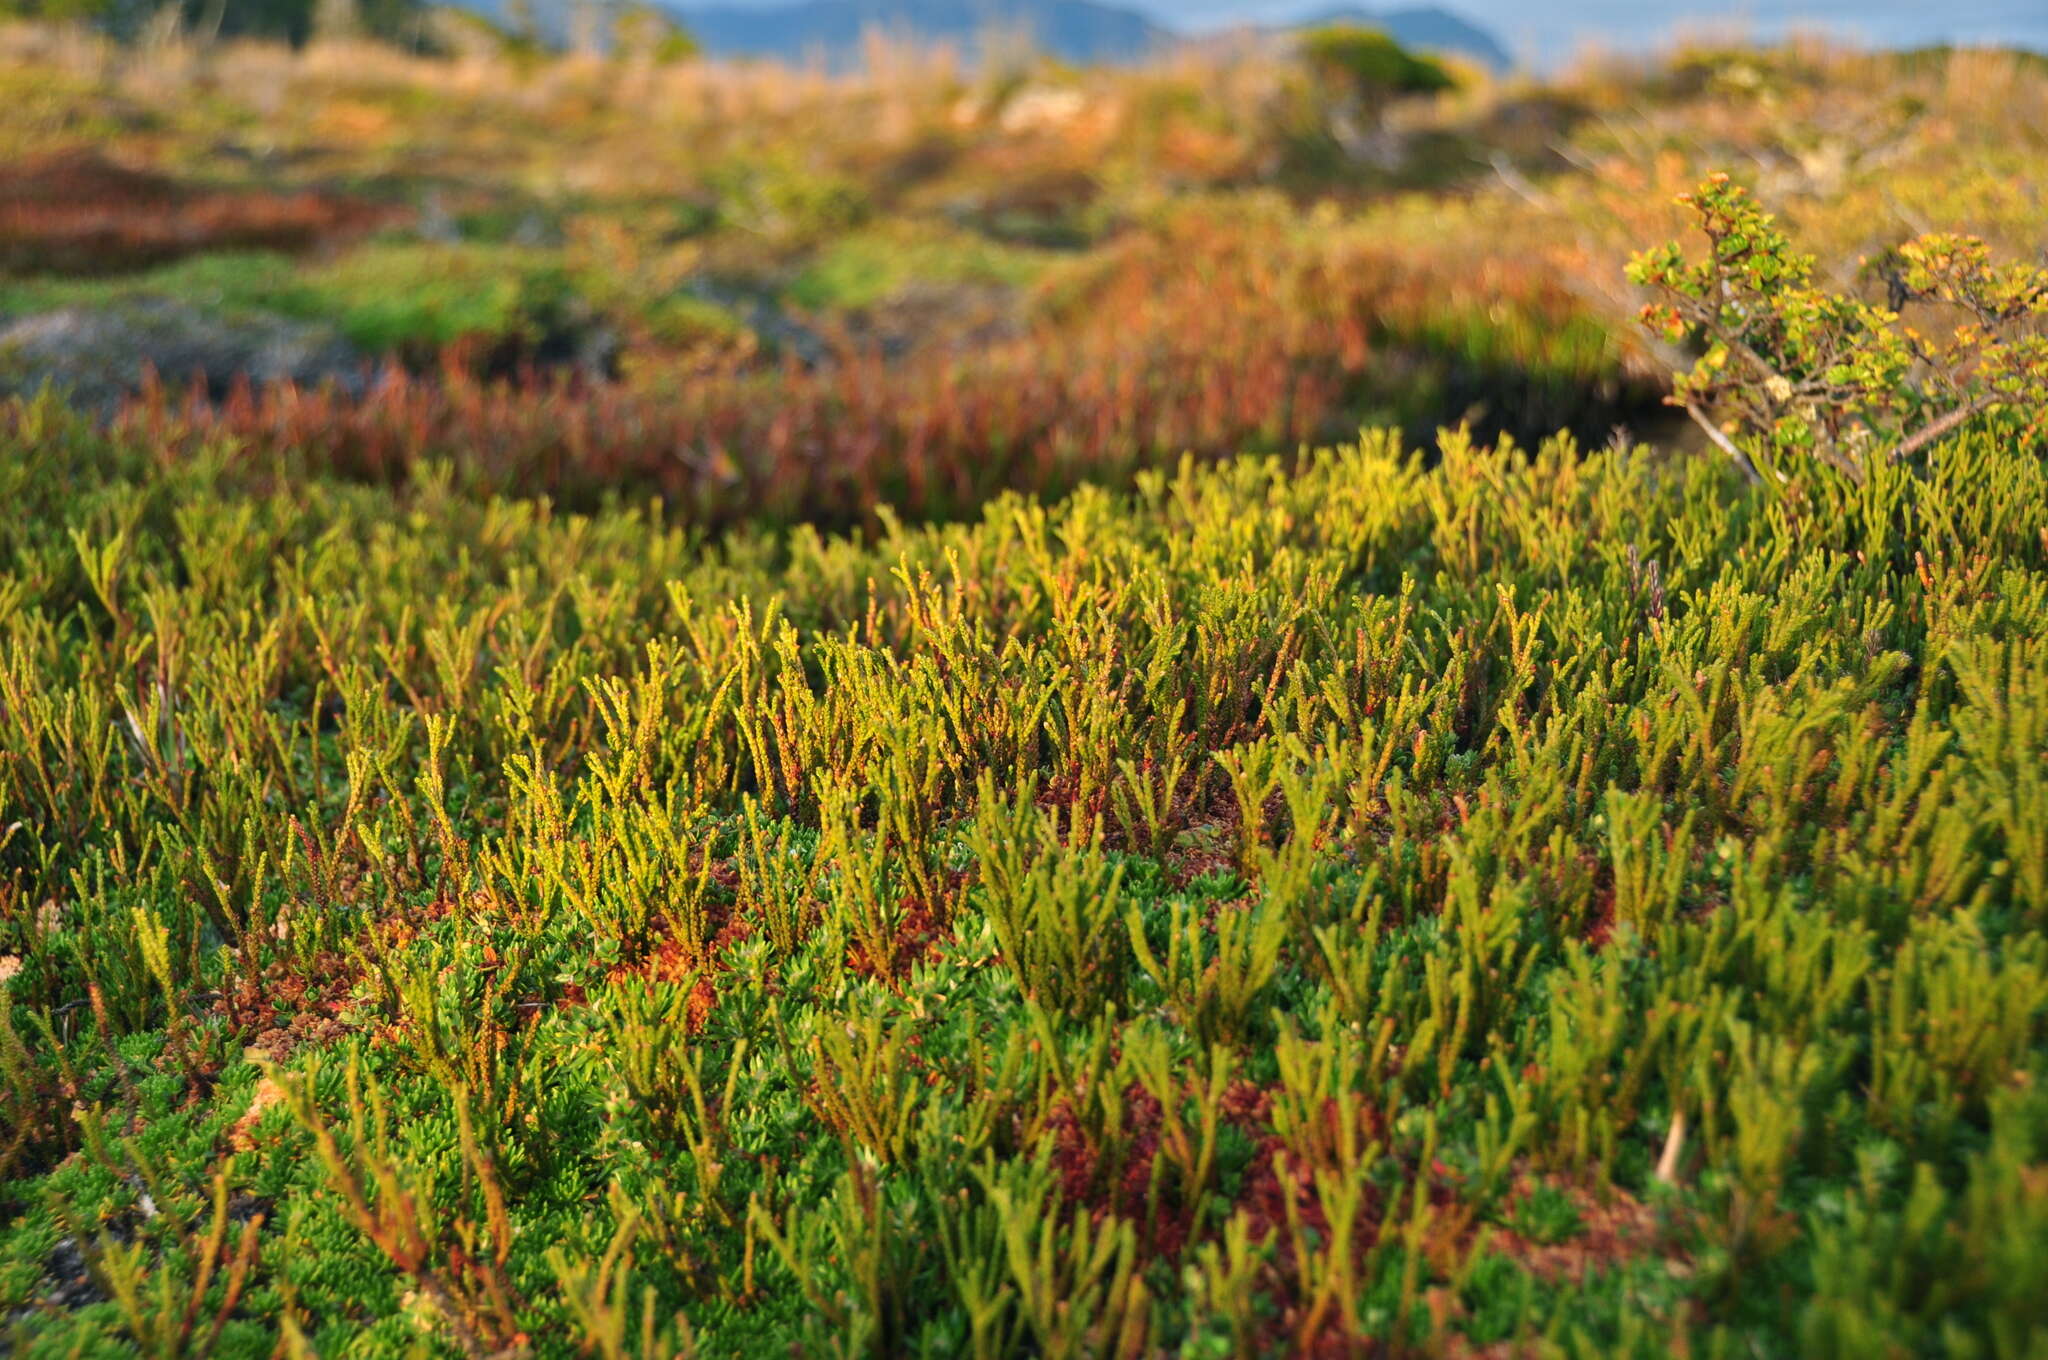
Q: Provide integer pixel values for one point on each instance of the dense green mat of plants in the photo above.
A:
(1565, 901)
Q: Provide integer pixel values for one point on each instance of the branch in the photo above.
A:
(1587, 290)
(1928, 434)
(1674, 1148)
(1725, 444)
(1522, 187)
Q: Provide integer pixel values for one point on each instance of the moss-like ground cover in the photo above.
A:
(1561, 901)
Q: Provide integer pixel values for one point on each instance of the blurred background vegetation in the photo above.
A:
(1359, 232)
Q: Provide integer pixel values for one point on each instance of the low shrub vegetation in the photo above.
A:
(1044, 840)
(1552, 900)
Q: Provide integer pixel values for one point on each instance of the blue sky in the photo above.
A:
(1553, 27)
(1544, 31)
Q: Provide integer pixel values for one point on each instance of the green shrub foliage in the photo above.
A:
(1803, 373)
(400, 22)
(1559, 900)
(1371, 64)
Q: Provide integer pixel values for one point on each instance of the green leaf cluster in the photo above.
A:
(1799, 373)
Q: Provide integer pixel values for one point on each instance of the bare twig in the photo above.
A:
(1523, 187)
(1725, 444)
(1674, 1148)
(1938, 428)
(1589, 291)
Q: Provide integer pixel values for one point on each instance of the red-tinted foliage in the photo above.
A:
(1208, 341)
(80, 213)
(1102, 1184)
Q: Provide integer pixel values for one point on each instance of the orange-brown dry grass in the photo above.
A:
(79, 212)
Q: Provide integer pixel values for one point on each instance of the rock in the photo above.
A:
(779, 332)
(961, 317)
(98, 354)
(67, 1283)
(1041, 108)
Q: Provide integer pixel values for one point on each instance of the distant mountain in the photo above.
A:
(1080, 31)
(1073, 30)
(1425, 27)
